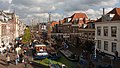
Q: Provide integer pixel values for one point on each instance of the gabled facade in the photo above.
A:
(79, 18)
(113, 15)
(10, 27)
(107, 33)
(69, 27)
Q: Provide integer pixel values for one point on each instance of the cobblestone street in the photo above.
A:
(3, 63)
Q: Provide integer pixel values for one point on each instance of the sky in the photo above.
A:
(39, 9)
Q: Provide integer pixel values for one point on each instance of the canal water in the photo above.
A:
(67, 62)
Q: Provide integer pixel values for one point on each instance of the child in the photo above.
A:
(8, 59)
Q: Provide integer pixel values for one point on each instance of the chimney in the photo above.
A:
(103, 16)
(103, 11)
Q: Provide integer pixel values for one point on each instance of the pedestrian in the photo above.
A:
(26, 61)
(9, 47)
(16, 59)
(21, 57)
(116, 55)
(91, 65)
(8, 59)
(0, 50)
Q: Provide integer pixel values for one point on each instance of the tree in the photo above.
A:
(89, 46)
(26, 36)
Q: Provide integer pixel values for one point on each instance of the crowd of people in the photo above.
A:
(4, 49)
(20, 55)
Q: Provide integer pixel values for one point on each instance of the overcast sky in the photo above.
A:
(39, 9)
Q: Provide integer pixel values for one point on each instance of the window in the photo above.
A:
(105, 31)
(85, 34)
(89, 34)
(113, 31)
(93, 34)
(99, 44)
(75, 21)
(114, 46)
(99, 30)
(106, 45)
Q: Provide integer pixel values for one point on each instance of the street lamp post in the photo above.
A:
(49, 28)
(95, 54)
(95, 51)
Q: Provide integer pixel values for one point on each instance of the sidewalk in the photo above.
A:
(107, 61)
(3, 63)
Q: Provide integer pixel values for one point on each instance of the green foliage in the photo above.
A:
(89, 46)
(47, 62)
(27, 36)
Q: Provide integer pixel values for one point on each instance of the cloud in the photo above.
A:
(4, 5)
(28, 9)
(94, 14)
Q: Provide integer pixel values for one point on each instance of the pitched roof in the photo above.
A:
(76, 16)
(64, 20)
(81, 21)
(79, 15)
(54, 23)
(115, 11)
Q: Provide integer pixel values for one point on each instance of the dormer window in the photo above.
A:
(112, 15)
(107, 17)
(80, 18)
(75, 21)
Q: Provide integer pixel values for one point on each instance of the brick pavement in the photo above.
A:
(104, 61)
(107, 61)
(12, 64)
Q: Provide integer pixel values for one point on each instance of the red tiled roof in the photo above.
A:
(54, 23)
(62, 21)
(76, 16)
(79, 15)
(115, 11)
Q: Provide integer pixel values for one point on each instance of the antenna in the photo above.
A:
(103, 11)
(49, 17)
(49, 28)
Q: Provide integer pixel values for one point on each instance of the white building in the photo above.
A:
(107, 33)
(0, 33)
(10, 27)
(108, 36)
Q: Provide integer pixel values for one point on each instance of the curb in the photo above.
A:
(39, 65)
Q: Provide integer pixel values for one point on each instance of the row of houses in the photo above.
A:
(105, 31)
(11, 27)
(75, 29)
